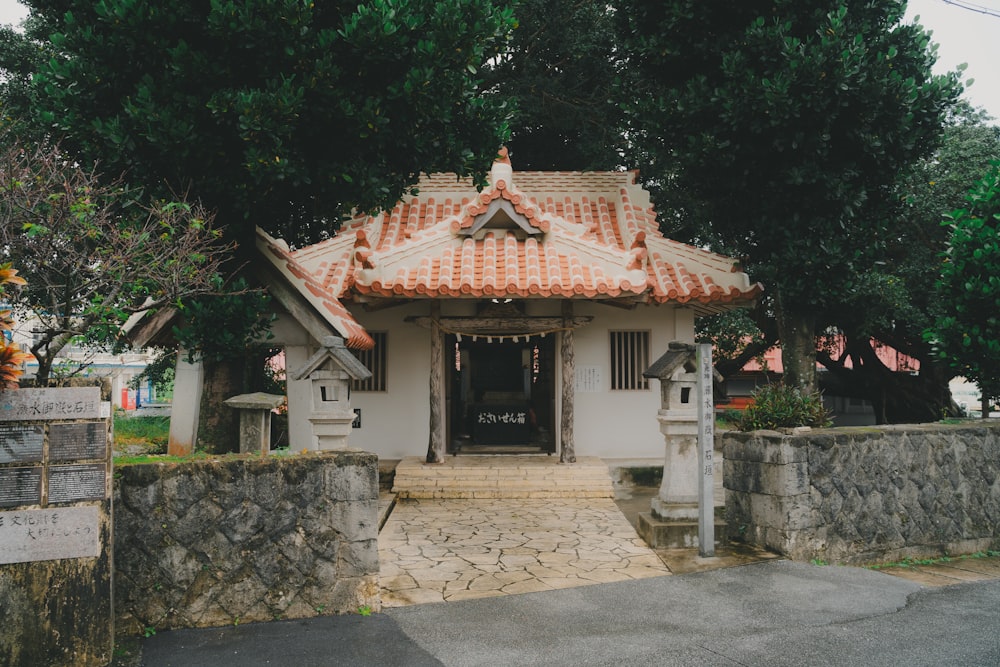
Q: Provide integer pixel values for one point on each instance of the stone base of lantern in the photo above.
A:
(331, 432)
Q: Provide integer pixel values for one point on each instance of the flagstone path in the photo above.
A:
(441, 550)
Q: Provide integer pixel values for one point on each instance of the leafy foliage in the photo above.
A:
(781, 406)
(787, 123)
(733, 335)
(560, 68)
(225, 325)
(160, 372)
(93, 253)
(278, 113)
(967, 335)
(894, 301)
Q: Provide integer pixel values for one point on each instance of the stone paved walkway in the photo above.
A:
(441, 550)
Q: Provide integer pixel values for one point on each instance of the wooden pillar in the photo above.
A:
(567, 453)
(436, 445)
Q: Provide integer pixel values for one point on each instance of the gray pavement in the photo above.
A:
(769, 613)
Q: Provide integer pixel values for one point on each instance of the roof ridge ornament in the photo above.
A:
(502, 173)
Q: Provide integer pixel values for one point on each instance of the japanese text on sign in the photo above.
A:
(504, 417)
(33, 535)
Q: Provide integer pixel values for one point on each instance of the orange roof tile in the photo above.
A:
(526, 235)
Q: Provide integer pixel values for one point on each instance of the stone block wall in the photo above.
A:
(868, 494)
(218, 542)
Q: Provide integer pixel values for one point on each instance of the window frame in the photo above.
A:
(375, 360)
(629, 352)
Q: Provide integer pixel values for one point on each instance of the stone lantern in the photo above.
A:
(330, 371)
(678, 416)
(674, 517)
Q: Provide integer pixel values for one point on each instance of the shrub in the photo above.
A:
(779, 406)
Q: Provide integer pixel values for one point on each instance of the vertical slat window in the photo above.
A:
(629, 358)
(374, 360)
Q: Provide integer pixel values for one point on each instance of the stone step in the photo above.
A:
(503, 476)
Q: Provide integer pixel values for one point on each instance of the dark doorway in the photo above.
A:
(501, 394)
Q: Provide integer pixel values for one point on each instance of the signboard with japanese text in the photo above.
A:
(55, 527)
(501, 424)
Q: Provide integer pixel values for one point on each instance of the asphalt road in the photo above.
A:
(773, 613)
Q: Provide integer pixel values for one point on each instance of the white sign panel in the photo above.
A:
(50, 534)
(588, 379)
(50, 403)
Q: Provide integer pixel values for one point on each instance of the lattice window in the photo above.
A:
(374, 360)
(629, 358)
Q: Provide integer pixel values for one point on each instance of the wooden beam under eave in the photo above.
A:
(373, 304)
(485, 326)
(152, 328)
(300, 309)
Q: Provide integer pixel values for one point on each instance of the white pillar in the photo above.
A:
(299, 392)
(186, 405)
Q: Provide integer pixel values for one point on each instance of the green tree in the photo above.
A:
(967, 334)
(278, 113)
(787, 123)
(560, 68)
(894, 300)
(282, 114)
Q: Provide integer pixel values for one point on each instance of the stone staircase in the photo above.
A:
(503, 476)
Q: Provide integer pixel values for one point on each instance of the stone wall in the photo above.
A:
(866, 494)
(217, 542)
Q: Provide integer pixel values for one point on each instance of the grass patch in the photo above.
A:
(141, 459)
(151, 434)
(913, 562)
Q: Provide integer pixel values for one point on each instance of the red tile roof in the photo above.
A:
(527, 235)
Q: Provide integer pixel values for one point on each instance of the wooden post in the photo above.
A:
(567, 453)
(436, 445)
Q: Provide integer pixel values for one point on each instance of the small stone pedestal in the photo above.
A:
(255, 420)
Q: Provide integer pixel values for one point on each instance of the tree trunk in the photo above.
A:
(897, 397)
(798, 348)
(218, 424)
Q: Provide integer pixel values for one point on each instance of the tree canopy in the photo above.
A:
(788, 122)
(276, 113)
(560, 67)
(967, 333)
(896, 301)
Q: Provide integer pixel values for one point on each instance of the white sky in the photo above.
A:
(963, 36)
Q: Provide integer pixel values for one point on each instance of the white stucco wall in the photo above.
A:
(619, 424)
(622, 424)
